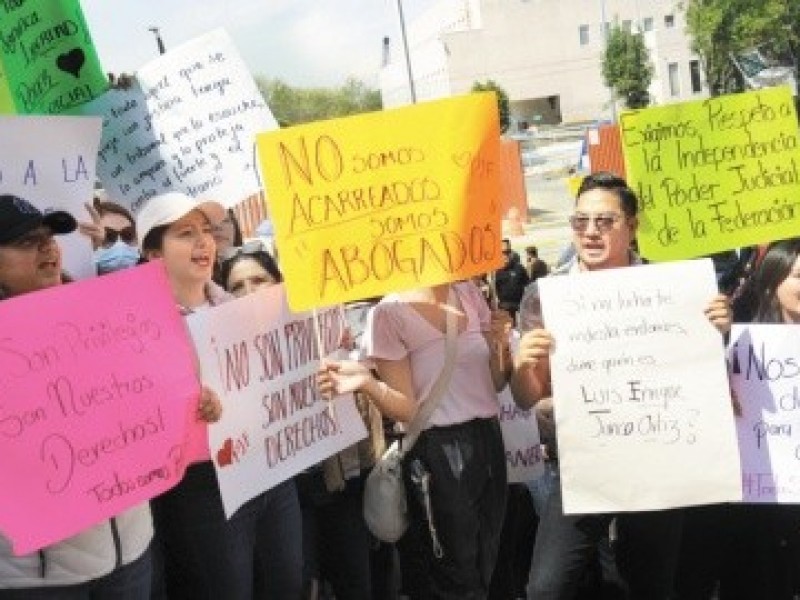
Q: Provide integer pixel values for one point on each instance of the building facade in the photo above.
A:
(547, 54)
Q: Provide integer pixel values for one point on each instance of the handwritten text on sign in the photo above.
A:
(188, 123)
(715, 174)
(385, 201)
(51, 165)
(262, 360)
(47, 55)
(764, 362)
(91, 421)
(642, 405)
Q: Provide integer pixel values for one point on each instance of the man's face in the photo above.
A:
(601, 231)
(30, 263)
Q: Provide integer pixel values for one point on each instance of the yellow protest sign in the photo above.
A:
(714, 174)
(385, 201)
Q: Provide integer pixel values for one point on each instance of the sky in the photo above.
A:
(302, 42)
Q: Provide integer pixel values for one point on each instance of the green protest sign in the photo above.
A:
(47, 58)
(714, 174)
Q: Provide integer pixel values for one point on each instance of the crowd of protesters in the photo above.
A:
(470, 534)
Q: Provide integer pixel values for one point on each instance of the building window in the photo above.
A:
(674, 79)
(669, 21)
(627, 25)
(647, 24)
(697, 77)
(583, 32)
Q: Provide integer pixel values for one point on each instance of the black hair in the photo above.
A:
(154, 240)
(262, 257)
(532, 251)
(758, 302)
(104, 208)
(614, 184)
(238, 240)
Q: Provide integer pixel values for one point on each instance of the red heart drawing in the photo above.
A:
(71, 62)
(225, 454)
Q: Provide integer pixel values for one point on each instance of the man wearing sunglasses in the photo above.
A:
(645, 555)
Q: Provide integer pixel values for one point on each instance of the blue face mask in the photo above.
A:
(117, 257)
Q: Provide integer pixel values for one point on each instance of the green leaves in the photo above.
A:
(626, 67)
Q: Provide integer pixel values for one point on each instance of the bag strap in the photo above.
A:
(427, 407)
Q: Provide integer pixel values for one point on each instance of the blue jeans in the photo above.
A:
(641, 565)
(130, 582)
(203, 555)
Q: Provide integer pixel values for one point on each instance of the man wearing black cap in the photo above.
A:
(30, 259)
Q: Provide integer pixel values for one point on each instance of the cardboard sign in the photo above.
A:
(640, 390)
(385, 201)
(764, 363)
(51, 164)
(188, 123)
(262, 360)
(714, 174)
(97, 388)
(47, 57)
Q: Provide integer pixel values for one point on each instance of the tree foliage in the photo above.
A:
(626, 67)
(293, 105)
(721, 27)
(502, 101)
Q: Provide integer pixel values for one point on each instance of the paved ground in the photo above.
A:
(549, 206)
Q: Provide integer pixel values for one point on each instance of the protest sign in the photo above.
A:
(97, 389)
(188, 123)
(385, 201)
(642, 404)
(524, 458)
(51, 165)
(714, 174)
(262, 360)
(764, 364)
(47, 56)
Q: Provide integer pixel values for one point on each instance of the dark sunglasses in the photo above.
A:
(602, 223)
(247, 249)
(127, 235)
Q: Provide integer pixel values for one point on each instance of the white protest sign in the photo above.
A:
(188, 123)
(50, 162)
(524, 459)
(262, 361)
(640, 389)
(764, 362)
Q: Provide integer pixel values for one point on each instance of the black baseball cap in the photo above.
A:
(18, 217)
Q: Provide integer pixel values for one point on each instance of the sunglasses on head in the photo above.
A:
(127, 235)
(246, 249)
(602, 222)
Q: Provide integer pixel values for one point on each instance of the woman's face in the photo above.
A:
(224, 233)
(247, 276)
(30, 263)
(788, 294)
(188, 249)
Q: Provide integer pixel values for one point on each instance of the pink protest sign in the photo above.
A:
(98, 388)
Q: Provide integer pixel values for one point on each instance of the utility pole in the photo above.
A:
(159, 41)
(405, 50)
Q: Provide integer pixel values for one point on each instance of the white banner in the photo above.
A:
(524, 458)
(50, 162)
(640, 389)
(262, 361)
(188, 123)
(764, 362)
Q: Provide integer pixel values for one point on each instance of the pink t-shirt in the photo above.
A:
(396, 330)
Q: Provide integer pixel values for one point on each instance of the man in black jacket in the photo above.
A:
(510, 281)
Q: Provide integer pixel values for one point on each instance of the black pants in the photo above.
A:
(468, 487)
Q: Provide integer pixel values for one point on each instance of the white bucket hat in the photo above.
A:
(172, 206)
